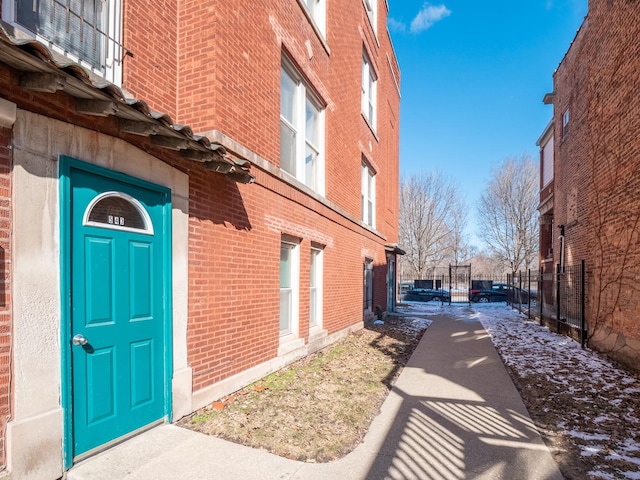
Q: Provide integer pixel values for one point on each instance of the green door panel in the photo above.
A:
(117, 289)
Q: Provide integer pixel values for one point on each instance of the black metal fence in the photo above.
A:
(555, 296)
(562, 299)
(463, 286)
(522, 293)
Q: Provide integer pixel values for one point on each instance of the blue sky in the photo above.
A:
(473, 75)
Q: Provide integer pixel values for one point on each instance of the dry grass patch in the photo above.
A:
(319, 408)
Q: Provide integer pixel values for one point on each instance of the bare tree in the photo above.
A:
(508, 214)
(431, 216)
(459, 248)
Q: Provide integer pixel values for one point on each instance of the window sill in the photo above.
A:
(316, 333)
(289, 343)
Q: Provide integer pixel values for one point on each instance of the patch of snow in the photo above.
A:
(586, 436)
(591, 451)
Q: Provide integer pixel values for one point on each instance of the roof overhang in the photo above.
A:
(394, 248)
(549, 98)
(546, 206)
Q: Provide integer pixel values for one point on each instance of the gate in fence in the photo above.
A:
(562, 298)
(459, 281)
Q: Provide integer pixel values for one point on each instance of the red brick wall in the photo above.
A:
(150, 33)
(229, 80)
(234, 270)
(5, 292)
(615, 119)
(571, 148)
(597, 185)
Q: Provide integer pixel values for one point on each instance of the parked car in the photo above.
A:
(519, 295)
(404, 287)
(500, 292)
(427, 295)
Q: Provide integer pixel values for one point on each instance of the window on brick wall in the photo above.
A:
(368, 285)
(289, 287)
(368, 194)
(301, 130)
(87, 31)
(369, 89)
(565, 123)
(371, 6)
(547, 163)
(317, 11)
(315, 288)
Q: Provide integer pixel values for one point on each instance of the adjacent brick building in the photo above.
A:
(178, 256)
(594, 198)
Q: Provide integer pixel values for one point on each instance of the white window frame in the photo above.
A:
(316, 271)
(371, 7)
(303, 98)
(317, 10)
(114, 51)
(368, 194)
(369, 91)
(289, 328)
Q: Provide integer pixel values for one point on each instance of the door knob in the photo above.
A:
(79, 339)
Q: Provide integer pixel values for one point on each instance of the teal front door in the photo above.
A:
(119, 283)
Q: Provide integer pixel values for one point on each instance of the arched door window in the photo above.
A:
(118, 211)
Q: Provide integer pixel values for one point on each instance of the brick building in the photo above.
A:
(594, 195)
(191, 196)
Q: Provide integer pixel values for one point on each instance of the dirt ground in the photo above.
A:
(319, 408)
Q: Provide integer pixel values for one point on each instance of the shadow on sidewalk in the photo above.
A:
(459, 415)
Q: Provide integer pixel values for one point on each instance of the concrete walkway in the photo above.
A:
(453, 414)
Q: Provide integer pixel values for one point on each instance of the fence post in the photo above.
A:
(520, 291)
(583, 320)
(442, 286)
(529, 293)
(541, 296)
(558, 298)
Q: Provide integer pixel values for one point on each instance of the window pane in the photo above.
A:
(368, 285)
(311, 6)
(311, 129)
(285, 267)
(287, 96)
(313, 307)
(370, 91)
(285, 311)
(287, 148)
(78, 30)
(313, 269)
(117, 211)
(314, 284)
(310, 167)
(365, 86)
